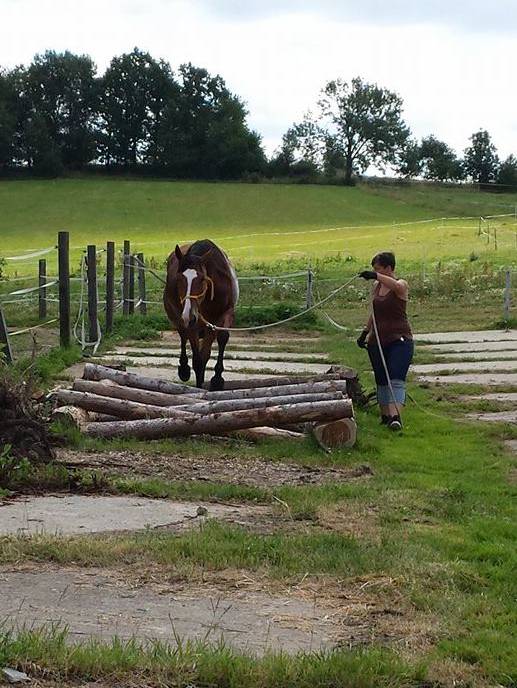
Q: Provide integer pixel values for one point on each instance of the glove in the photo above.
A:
(368, 274)
(361, 340)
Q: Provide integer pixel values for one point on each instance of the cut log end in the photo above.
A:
(335, 434)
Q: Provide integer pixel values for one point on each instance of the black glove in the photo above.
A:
(361, 340)
(368, 274)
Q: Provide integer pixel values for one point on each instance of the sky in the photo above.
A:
(452, 62)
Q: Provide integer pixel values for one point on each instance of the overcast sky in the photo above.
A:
(453, 62)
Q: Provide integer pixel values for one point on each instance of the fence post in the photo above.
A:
(42, 293)
(141, 283)
(63, 246)
(309, 299)
(125, 278)
(507, 295)
(110, 284)
(5, 344)
(91, 265)
(131, 284)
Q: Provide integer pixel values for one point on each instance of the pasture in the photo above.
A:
(408, 567)
(258, 223)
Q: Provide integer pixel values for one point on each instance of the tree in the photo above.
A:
(8, 119)
(409, 161)
(59, 98)
(481, 160)
(135, 92)
(439, 161)
(203, 132)
(358, 124)
(507, 173)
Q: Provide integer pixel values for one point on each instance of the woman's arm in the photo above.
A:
(400, 287)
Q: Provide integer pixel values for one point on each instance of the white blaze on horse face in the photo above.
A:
(189, 275)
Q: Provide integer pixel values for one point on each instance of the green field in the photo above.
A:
(257, 222)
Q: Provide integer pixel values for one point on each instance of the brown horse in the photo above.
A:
(201, 287)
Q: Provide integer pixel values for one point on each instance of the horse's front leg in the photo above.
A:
(217, 382)
(183, 368)
(197, 361)
(206, 347)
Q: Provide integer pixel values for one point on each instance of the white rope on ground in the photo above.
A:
(284, 320)
(34, 254)
(34, 327)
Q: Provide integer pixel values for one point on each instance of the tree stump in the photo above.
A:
(337, 433)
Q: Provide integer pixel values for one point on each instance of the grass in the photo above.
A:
(251, 221)
(444, 505)
(198, 664)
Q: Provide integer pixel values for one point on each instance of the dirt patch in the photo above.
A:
(350, 518)
(246, 610)
(222, 469)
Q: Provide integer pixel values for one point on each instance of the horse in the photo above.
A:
(201, 288)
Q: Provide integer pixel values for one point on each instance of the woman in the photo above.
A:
(389, 301)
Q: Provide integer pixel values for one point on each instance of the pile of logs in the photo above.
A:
(108, 402)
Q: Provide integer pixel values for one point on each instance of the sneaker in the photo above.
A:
(395, 423)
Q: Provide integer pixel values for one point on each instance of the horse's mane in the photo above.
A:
(205, 252)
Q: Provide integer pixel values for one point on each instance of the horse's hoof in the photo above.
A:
(184, 373)
(216, 384)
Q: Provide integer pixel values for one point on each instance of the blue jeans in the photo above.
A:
(398, 356)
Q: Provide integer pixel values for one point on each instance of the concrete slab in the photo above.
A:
(229, 354)
(470, 346)
(474, 366)
(502, 397)
(496, 417)
(511, 445)
(233, 345)
(93, 604)
(80, 514)
(480, 356)
(487, 379)
(280, 367)
(473, 336)
(270, 336)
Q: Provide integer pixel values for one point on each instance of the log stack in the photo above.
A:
(109, 403)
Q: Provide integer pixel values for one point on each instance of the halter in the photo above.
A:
(196, 297)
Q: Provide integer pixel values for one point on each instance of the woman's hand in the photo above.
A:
(368, 275)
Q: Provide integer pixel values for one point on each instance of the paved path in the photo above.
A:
(475, 358)
(99, 604)
(80, 514)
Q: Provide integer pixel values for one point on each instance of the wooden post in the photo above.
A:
(110, 284)
(125, 278)
(131, 284)
(507, 295)
(5, 345)
(91, 263)
(309, 299)
(141, 283)
(42, 293)
(63, 246)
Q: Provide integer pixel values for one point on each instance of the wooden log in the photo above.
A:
(221, 423)
(71, 416)
(92, 371)
(121, 408)
(265, 433)
(205, 407)
(108, 388)
(336, 433)
(275, 381)
(277, 391)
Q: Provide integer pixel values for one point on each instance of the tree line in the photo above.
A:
(57, 115)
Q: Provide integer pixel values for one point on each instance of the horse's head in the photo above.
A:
(193, 286)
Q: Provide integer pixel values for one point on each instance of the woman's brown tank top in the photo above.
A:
(391, 317)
